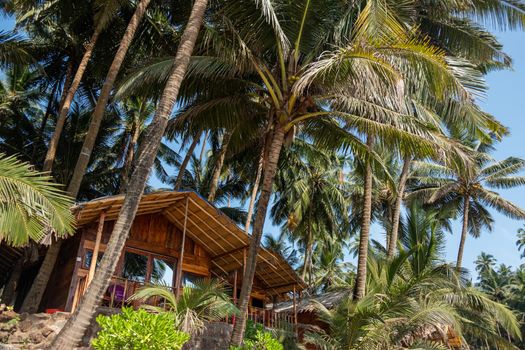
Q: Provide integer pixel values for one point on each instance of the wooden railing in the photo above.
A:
(118, 293)
(270, 319)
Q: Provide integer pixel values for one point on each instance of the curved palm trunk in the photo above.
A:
(218, 167)
(124, 176)
(184, 164)
(360, 283)
(53, 143)
(36, 292)
(75, 327)
(255, 190)
(255, 239)
(100, 108)
(464, 232)
(392, 242)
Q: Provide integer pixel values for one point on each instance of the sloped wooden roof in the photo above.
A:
(206, 225)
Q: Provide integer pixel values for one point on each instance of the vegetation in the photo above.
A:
(325, 116)
(32, 207)
(206, 301)
(138, 330)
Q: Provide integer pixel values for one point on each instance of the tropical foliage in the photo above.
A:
(32, 207)
(334, 119)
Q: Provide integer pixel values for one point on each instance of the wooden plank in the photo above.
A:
(94, 256)
(181, 256)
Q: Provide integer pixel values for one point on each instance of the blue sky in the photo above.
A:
(505, 100)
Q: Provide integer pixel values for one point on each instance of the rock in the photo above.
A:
(25, 325)
(46, 331)
(4, 336)
(36, 337)
(17, 338)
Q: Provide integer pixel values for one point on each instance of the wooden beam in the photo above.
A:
(94, 256)
(294, 309)
(181, 255)
(228, 253)
(235, 287)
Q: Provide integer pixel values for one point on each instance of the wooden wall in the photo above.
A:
(55, 296)
(154, 233)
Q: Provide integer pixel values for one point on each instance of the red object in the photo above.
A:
(52, 311)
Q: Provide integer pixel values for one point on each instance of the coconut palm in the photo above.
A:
(414, 300)
(103, 98)
(521, 241)
(74, 329)
(204, 301)
(468, 188)
(32, 207)
(13, 49)
(310, 201)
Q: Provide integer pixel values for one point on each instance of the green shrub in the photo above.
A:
(138, 330)
(257, 338)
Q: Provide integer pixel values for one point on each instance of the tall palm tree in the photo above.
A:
(468, 188)
(310, 201)
(74, 329)
(104, 13)
(103, 98)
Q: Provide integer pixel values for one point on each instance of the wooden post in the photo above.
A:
(94, 256)
(294, 310)
(181, 255)
(234, 293)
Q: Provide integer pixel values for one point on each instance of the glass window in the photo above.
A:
(89, 256)
(189, 279)
(163, 271)
(135, 267)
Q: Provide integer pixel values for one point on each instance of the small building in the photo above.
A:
(176, 238)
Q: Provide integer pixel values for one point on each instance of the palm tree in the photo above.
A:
(484, 263)
(100, 107)
(204, 301)
(468, 189)
(310, 201)
(13, 49)
(411, 298)
(31, 206)
(74, 329)
(521, 241)
(104, 14)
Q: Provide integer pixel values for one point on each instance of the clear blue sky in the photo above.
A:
(505, 100)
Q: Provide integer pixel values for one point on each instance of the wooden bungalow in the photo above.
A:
(176, 238)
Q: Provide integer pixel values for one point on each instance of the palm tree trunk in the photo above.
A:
(76, 325)
(52, 149)
(9, 293)
(360, 284)
(392, 242)
(218, 167)
(34, 296)
(65, 88)
(255, 189)
(130, 154)
(203, 148)
(182, 168)
(43, 124)
(464, 231)
(255, 239)
(36, 292)
(100, 108)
